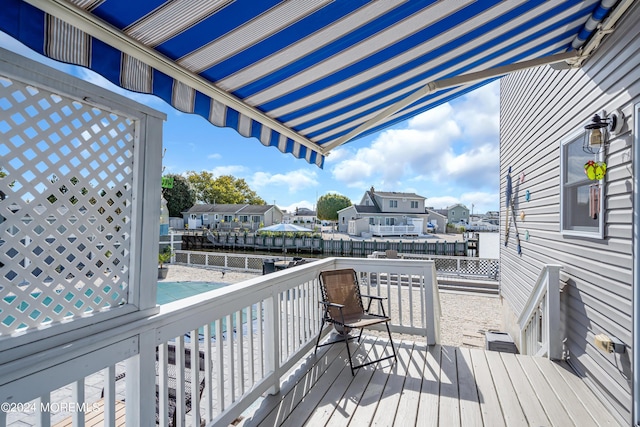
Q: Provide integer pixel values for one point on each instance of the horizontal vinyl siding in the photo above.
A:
(539, 108)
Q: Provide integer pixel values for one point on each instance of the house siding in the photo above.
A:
(540, 107)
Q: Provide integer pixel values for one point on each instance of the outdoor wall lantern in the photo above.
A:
(596, 134)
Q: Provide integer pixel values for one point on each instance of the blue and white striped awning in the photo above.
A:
(302, 75)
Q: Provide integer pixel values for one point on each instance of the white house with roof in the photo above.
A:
(232, 216)
(385, 213)
(301, 216)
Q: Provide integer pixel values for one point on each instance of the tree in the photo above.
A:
(330, 204)
(179, 198)
(221, 190)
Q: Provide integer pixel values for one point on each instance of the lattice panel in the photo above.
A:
(66, 175)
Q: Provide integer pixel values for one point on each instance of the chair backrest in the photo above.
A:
(341, 287)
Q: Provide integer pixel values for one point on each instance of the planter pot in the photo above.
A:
(162, 272)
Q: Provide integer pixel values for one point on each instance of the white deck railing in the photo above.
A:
(468, 267)
(393, 230)
(251, 333)
(539, 321)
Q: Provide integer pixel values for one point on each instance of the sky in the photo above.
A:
(449, 154)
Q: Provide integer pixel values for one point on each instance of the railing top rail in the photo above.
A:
(537, 293)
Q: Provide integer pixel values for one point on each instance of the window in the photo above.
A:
(577, 191)
(389, 221)
(414, 204)
(393, 203)
(372, 221)
(255, 218)
(228, 218)
(243, 218)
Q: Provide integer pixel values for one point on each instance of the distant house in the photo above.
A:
(232, 216)
(457, 213)
(385, 213)
(301, 216)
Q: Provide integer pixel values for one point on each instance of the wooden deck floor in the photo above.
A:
(430, 386)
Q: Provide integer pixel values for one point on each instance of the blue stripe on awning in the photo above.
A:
(220, 23)
(419, 78)
(338, 46)
(280, 92)
(282, 39)
(389, 53)
(122, 13)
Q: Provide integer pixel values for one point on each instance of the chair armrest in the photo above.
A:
(374, 297)
(331, 304)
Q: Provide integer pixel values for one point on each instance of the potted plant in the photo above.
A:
(163, 258)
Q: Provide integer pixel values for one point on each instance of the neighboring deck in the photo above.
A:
(439, 385)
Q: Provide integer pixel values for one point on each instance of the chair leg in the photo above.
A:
(319, 335)
(393, 348)
(346, 342)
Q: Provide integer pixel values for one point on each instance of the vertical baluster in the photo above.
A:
(399, 285)
(220, 365)
(240, 356)
(208, 370)
(285, 326)
(109, 395)
(43, 418)
(251, 351)
(410, 288)
(163, 383)
(231, 362)
(272, 340)
(77, 396)
(260, 316)
(423, 311)
(180, 377)
(195, 377)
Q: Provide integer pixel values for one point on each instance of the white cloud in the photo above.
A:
(441, 202)
(454, 144)
(214, 156)
(294, 180)
(234, 170)
(483, 201)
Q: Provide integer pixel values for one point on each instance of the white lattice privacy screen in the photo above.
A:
(66, 176)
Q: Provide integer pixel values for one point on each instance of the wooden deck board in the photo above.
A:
(388, 406)
(552, 406)
(489, 404)
(567, 397)
(431, 386)
(512, 411)
(529, 402)
(430, 391)
(95, 416)
(470, 414)
(410, 398)
(449, 402)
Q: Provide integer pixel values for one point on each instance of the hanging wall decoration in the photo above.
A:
(527, 196)
(595, 171)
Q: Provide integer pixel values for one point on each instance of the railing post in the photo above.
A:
(553, 312)
(141, 383)
(431, 304)
(272, 340)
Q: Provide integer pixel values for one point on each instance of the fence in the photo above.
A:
(461, 267)
(203, 240)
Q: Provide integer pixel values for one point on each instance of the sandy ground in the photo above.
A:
(464, 319)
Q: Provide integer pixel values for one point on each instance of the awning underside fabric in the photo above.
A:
(299, 75)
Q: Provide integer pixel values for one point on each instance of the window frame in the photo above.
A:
(415, 204)
(393, 203)
(577, 137)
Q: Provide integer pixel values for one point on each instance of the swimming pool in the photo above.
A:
(174, 291)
